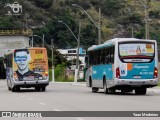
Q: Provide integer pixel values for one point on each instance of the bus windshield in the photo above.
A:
(140, 50)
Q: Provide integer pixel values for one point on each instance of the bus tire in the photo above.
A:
(9, 88)
(18, 89)
(13, 89)
(44, 88)
(94, 89)
(90, 82)
(140, 91)
(37, 89)
(111, 90)
(105, 86)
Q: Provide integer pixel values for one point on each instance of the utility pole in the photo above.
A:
(53, 79)
(43, 41)
(77, 60)
(32, 40)
(146, 6)
(132, 32)
(99, 27)
(147, 21)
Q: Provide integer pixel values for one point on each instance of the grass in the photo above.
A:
(63, 79)
(60, 78)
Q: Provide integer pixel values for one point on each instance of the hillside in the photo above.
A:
(119, 18)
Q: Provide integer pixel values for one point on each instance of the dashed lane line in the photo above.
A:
(56, 110)
(41, 103)
(80, 119)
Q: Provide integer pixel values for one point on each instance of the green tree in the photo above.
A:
(44, 3)
(8, 23)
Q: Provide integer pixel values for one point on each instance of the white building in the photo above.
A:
(71, 54)
(12, 39)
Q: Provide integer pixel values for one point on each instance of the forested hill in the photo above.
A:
(118, 19)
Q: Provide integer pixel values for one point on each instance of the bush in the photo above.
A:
(59, 73)
(113, 7)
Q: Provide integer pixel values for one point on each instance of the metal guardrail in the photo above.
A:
(16, 32)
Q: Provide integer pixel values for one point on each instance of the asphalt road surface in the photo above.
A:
(77, 97)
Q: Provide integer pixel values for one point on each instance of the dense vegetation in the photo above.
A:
(118, 17)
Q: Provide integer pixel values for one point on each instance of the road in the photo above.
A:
(71, 97)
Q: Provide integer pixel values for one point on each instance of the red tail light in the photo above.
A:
(46, 74)
(117, 73)
(155, 72)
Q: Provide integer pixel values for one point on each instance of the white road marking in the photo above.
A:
(21, 96)
(30, 99)
(56, 110)
(41, 103)
(80, 119)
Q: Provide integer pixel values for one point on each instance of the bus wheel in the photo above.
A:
(90, 82)
(13, 89)
(18, 89)
(111, 90)
(37, 89)
(94, 90)
(105, 87)
(43, 88)
(9, 88)
(140, 91)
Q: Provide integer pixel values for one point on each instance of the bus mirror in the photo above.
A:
(5, 60)
(86, 59)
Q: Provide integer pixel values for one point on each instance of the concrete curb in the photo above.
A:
(71, 83)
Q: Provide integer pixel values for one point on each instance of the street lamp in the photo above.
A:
(99, 23)
(78, 43)
(42, 38)
(146, 17)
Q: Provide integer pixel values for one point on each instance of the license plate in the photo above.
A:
(137, 76)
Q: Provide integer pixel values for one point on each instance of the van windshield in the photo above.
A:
(134, 50)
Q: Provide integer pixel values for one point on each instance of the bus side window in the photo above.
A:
(103, 57)
(106, 56)
(89, 58)
(99, 57)
(112, 55)
(95, 58)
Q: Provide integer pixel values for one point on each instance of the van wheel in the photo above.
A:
(140, 91)
(94, 90)
(105, 86)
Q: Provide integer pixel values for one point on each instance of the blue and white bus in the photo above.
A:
(124, 64)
